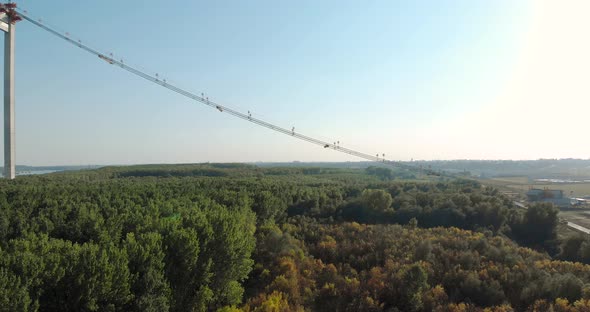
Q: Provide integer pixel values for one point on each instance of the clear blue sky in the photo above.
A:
(406, 78)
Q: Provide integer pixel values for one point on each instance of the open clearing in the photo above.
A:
(512, 180)
(523, 184)
(569, 189)
(520, 185)
(581, 217)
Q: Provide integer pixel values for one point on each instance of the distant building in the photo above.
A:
(541, 194)
(549, 196)
(580, 201)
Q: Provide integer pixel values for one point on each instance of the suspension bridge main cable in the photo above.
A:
(205, 100)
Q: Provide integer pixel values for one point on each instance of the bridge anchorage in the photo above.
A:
(8, 17)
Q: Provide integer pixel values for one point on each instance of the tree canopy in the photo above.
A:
(233, 237)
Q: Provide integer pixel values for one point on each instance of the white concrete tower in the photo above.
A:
(7, 25)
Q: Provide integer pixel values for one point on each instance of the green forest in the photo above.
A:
(234, 237)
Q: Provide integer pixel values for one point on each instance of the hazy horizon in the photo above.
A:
(295, 161)
(486, 80)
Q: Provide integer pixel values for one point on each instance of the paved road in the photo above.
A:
(578, 227)
(520, 205)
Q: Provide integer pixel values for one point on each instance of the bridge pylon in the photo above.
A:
(8, 17)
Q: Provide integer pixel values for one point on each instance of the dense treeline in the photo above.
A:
(354, 267)
(232, 236)
(121, 245)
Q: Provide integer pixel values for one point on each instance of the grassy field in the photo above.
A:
(575, 189)
(578, 217)
(511, 180)
(522, 184)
